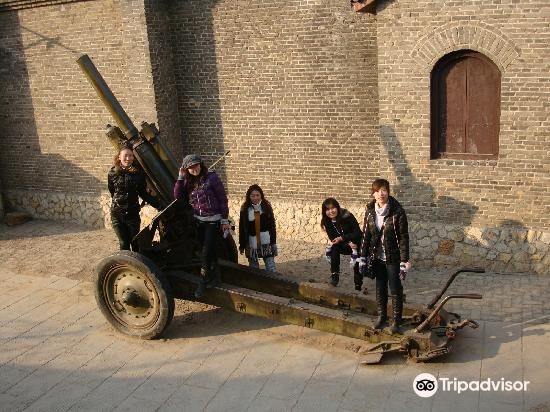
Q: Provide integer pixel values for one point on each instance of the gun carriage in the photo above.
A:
(136, 290)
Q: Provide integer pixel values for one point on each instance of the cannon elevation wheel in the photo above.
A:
(134, 295)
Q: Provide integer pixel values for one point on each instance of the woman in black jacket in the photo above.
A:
(257, 229)
(386, 242)
(345, 235)
(126, 181)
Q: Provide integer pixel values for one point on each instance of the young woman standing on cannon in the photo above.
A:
(386, 243)
(126, 181)
(208, 199)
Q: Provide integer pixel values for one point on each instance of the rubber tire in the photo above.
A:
(156, 278)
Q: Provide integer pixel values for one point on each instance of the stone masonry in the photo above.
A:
(505, 249)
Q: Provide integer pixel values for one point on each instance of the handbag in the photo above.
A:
(367, 270)
(369, 260)
(369, 267)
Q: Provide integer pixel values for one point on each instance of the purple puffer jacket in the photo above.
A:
(206, 200)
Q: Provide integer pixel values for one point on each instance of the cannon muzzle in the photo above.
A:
(107, 96)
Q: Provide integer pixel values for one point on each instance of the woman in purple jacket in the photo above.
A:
(207, 197)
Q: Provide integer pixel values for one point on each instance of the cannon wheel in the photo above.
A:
(134, 295)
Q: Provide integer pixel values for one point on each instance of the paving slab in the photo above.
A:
(189, 398)
(58, 353)
(291, 376)
(267, 404)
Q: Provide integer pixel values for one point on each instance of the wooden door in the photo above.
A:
(465, 107)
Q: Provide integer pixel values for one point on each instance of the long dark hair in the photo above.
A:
(266, 206)
(194, 181)
(133, 168)
(330, 201)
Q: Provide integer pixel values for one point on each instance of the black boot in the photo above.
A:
(334, 279)
(199, 292)
(397, 306)
(214, 277)
(382, 307)
(357, 277)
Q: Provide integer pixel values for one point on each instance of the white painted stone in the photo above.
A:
(532, 235)
(545, 237)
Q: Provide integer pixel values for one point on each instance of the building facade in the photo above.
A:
(312, 98)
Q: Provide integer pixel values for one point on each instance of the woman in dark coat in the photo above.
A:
(257, 229)
(126, 181)
(386, 242)
(345, 235)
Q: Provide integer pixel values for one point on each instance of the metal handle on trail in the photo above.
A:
(426, 322)
(451, 279)
(213, 165)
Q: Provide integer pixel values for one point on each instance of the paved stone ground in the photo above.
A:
(58, 354)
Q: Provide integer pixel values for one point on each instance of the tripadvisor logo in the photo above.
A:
(426, 385)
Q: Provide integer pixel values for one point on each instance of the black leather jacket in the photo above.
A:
(396, 232)
(125, 186)
(349, 228)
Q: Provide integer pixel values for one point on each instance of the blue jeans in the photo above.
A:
(269, 263)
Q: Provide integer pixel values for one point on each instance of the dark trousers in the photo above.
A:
(336, 250)
(387, 273)
(208, 233)
(126, 228)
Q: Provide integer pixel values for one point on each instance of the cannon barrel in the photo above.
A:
(160, 174)
(107, 96)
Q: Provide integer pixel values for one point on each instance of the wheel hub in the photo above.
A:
(131, 296)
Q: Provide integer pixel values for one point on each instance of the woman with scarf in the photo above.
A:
(344, 234)
(126, 181)
(386, 243)
(257, 229)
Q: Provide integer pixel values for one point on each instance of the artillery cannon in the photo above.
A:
(136, 290)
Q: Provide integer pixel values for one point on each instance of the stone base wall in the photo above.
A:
(509, 249)
(89, 210)
(505, 249)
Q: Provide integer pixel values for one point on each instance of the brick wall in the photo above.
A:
(288, 86)
(311, 98)
(511, 191)
(163, 75)
(52, 121)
